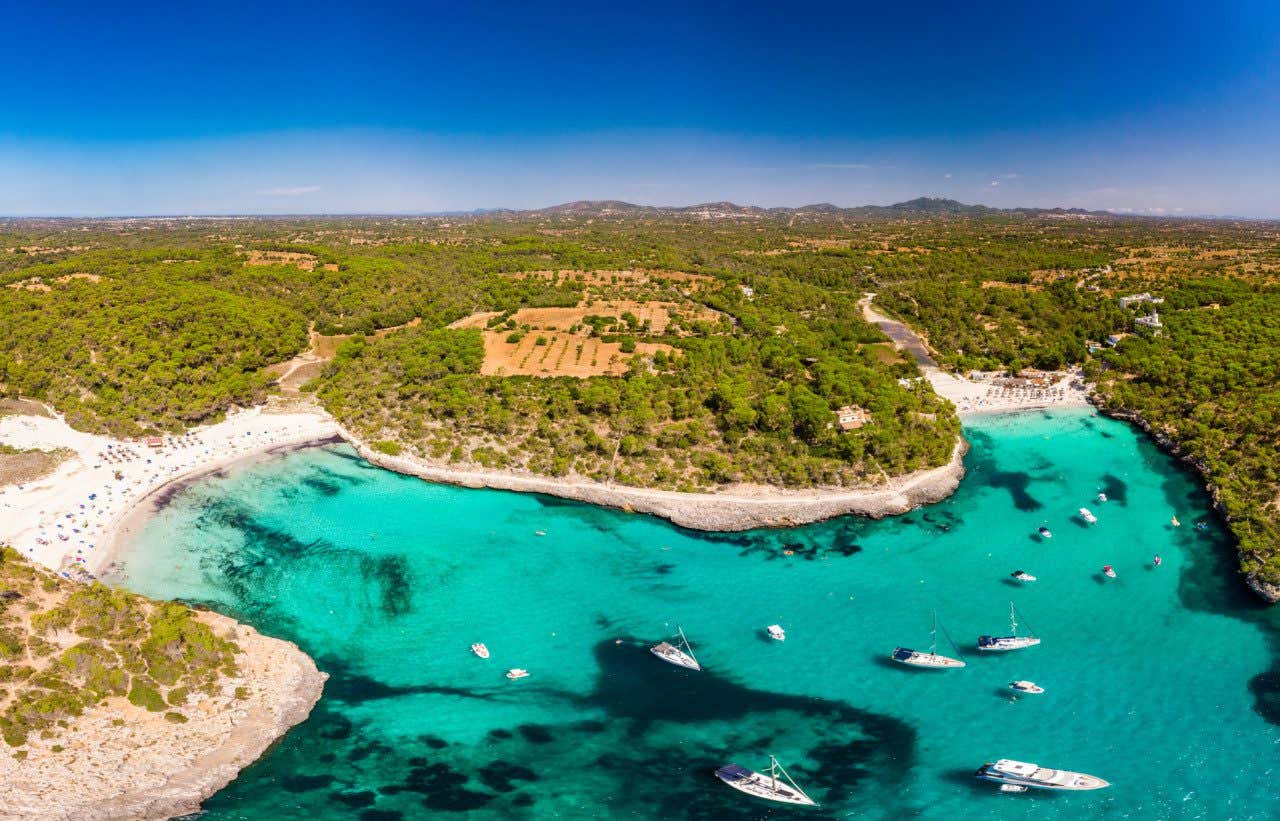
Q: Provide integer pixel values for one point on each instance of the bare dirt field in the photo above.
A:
(562, 354)
(33, 284)
(640, 277)
(304, 262)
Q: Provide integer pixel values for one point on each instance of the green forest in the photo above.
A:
(136, 326)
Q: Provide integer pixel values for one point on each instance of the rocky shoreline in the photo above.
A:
(1266, 590)
(736, 508)
(149, 768)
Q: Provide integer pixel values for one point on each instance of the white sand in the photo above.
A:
(71, 516)
(972, 397)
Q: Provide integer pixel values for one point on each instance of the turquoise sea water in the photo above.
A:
(1162, 680)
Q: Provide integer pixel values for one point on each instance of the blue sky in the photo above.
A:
(363, 106)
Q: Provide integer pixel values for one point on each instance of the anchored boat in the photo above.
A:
(1026, 687)
(480, 650)
(1022, 576)
(1088, 516)
(681, 655)
(1021, 774)
(1013, 641)
(1045, 533)
(930, 660)
(765, 786)
(777, 633)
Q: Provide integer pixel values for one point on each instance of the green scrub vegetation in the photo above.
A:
(67, 646)
(133, 326)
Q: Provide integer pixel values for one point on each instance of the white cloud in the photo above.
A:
(993, 184)
(296, 191)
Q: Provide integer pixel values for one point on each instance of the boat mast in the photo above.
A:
(773, 772)
(1013, 620)
(687, 648)
(933, 636)
(774, 763)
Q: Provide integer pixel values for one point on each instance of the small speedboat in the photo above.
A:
(516, 673)
(480, 650)
(1108, 571)
(776, 632)
(1022, 576)
(1026, 687)
(1012, 788)
(1174, 521)
(1045, 533)
(1202, 525)
(1102, 497)
(1087, 515)
(765, 785)
(1022, 774)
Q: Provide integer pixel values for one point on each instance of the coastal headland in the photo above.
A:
(118, 760)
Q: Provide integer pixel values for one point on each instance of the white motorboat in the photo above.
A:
(1108, 571)
(776, 632)
(1012, 788)
(1045, 533)
(1102, 497)
(1022, 576)
(767, 786)
(681, 656)
(1021, 774)
(1087, 515)
(1001, 644)
(1026, 687)
(930, 660)
(515, 673)
(480, 650)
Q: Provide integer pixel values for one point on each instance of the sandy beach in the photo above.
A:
(73, 516)
(972, 396)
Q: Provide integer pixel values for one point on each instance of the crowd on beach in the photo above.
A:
(978, 396)
(68, 519)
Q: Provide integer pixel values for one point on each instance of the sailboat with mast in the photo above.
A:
(930, 660)
(679, 654)
(1000, 644)
(765, 786)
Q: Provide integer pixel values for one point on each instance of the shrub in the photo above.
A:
(144, 695)
(388, 447)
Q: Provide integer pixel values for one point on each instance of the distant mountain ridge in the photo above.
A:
(920, 206)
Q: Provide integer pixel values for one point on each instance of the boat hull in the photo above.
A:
(1033, 776)
(760, 785)
(672, 655)
(1005, 644)
(925, 661)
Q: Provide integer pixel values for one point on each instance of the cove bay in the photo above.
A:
(386, 580)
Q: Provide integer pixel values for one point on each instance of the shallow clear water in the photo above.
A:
(1160, 680)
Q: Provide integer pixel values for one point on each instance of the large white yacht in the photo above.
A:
(1021, 774)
